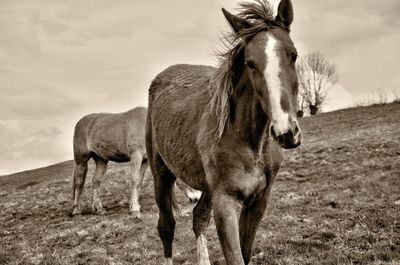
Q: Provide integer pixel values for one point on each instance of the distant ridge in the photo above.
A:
(35, 176)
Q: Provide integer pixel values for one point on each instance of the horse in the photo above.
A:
(117, 137)
(222, 130)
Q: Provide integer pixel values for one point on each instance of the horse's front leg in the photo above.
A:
(226, 214)
(201, 219)
(252, 213)
(250, 218)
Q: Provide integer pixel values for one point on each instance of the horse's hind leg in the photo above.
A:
(80, 172)
(101, 166)
(138, 169)
(192, 194)
(201, 219)
(164, 188)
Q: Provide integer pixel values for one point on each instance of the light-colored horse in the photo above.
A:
(222, 130)
(112, 137)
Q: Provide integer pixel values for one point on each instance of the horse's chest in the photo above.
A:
(240, 171)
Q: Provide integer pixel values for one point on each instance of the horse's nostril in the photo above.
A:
(271, 131)
(296, 129)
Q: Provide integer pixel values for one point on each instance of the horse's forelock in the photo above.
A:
(260, 10)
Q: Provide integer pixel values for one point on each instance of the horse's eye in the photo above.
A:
(250, 65)
(293, 57)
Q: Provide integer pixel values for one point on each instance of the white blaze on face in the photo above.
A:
(280, 118)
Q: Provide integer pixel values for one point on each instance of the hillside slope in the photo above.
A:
(336, 201)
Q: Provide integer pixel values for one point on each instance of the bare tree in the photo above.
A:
(316, 75)
(300, 103)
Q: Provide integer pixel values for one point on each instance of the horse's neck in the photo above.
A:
(248, 120)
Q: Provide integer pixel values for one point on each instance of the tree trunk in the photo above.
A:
(300, 113)
(313, 109)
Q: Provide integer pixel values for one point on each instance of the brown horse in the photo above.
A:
(113, 137)
(222, 130)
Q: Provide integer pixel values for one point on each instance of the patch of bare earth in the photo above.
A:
(336, 201)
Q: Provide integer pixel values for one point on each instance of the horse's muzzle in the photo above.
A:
(290, 139)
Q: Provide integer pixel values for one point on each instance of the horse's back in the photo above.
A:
(180, 76)
(111, 136)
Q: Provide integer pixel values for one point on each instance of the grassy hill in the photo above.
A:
(336, 201)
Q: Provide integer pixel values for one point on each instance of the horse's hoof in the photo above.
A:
(76, 212)
(101, 212)
(168, 261)
(136, 214)
(122, 203)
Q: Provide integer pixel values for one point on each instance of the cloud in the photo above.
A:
(340, 25)
(49, 25)
(27, 97)
(28, 144)
(17, 35)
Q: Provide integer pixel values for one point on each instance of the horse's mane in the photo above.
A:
(260, 17)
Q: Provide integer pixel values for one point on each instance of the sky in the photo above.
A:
(61, 60)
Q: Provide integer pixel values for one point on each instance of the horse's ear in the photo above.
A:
(285, 13)
(236, 22)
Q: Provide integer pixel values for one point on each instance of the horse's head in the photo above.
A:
(269, 58)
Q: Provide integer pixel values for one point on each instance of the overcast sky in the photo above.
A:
(63, 59)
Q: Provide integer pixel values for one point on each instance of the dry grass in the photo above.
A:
(336, 202)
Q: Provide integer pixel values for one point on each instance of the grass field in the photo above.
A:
(336, 201)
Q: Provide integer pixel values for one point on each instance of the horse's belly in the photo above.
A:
(190, 171)
(183, 161)
(111, 153)
(119, 158)
(110, 147)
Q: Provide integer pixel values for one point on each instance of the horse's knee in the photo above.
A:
(79, 175)
(79, 180)
(78, 183)
(135, 184)
(136, 171)
(80, 170)
(136, 158)
(96, 183)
